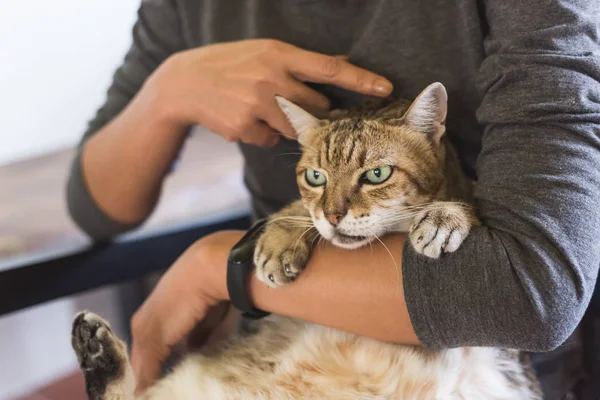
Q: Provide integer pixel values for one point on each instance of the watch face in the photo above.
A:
(243, 251)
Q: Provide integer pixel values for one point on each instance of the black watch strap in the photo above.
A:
(239, 267)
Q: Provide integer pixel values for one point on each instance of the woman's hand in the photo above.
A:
(230, 87)
(192, 291)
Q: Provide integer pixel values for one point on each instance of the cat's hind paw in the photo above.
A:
(101, 354)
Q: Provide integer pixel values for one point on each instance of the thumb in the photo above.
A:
(146, 361)
(201, 334)
(155, 333)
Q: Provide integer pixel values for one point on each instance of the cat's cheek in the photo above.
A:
(319, 222)
(324, 227)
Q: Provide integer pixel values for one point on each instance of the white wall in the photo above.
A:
(56, 61)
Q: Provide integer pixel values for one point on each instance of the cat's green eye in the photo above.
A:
(315, 178)
(377, 175)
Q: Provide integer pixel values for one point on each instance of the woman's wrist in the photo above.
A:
(162, 100)
(155, 120)
(211, 254)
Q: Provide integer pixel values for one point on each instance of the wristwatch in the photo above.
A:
(240, 264)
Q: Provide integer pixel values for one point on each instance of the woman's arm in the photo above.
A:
(128, 148)
(357, 291)
(524, 279)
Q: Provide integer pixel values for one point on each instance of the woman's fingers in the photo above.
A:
(320, 68)
(272, 115)
(147, 357)
(263, 134)
(297, 92)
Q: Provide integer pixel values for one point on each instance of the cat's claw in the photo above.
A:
(441, 229)
(280, 259)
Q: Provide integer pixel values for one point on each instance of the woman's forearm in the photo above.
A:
(124, 164)
(358, 291)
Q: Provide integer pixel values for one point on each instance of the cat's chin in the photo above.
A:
(349, 242)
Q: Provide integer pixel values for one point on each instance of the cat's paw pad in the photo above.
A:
(95, 345)
(440, 230)
(279, 260)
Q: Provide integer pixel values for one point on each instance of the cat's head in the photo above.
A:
(359, 176)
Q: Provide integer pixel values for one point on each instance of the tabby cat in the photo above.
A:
(362, 174)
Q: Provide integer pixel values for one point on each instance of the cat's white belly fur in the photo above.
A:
(310, 361)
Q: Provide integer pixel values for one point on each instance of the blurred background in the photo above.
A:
(57, 60)
(56, 63)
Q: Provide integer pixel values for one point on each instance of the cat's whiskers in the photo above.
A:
(422, 206)
(298, 240)
(300, 222)
(257, 232)
(288, 154)
(390, 220)
(292, 218)
(304, 146)
(315, 238)
(320, 241)
(391, 256)
(411, 211)
(437, 203)
(394, 218)
(298, 225)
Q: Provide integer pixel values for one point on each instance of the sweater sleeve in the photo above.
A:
(156, 36)
(524, 279)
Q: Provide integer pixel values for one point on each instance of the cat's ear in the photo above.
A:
(427, 113)
(302, 121)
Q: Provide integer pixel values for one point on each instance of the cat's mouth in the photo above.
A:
(344, 240)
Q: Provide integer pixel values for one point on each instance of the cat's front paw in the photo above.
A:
(281, 255)
(441, 228)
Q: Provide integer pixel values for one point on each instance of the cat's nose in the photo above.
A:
(335, 217)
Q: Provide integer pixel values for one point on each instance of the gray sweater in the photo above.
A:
(523, 78)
